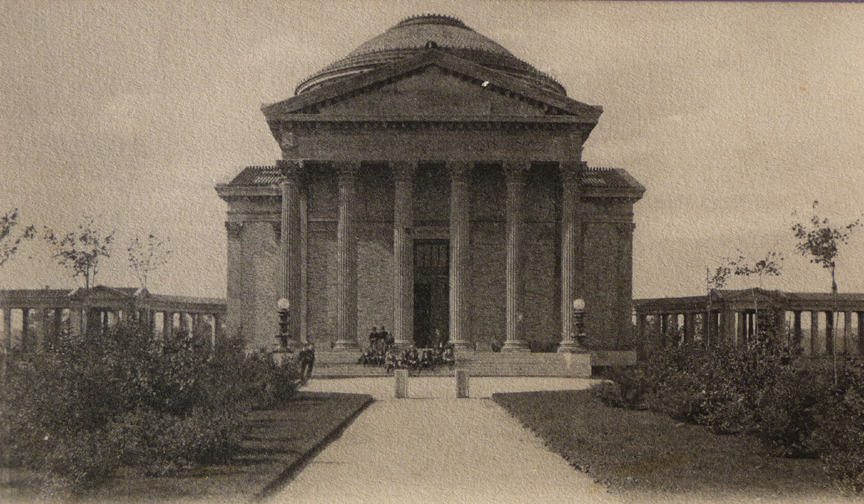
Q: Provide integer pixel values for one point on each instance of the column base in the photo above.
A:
(515, 346)
(569, 346)
(345, 345)
(462, 345)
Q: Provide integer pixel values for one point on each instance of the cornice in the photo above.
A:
(493, 80)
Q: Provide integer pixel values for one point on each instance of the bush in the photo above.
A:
(839, 435)
(764, 389)
(121, 397)
(627, 388)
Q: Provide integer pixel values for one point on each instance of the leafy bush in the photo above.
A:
(762, 388)
(839, 435)
(93, 403)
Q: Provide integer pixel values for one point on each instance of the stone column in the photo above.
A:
(403, 254)
(346, 259)
(859, 340)
(813, 347)
(289, 241)
(515, 194)
(689, 327)
(168, 325)
(742, 328)
(847, 332)
(796, 327)
(7, 328)
(570, 227)
(829, 333)
(460, 236)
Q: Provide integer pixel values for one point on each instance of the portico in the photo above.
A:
(437, 194)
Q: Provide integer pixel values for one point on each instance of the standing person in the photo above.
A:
(373, 337)
(307, 361)
(384, 337)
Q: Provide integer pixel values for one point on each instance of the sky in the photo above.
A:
(734, 116)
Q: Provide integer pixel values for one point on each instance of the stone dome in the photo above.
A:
(416, 34)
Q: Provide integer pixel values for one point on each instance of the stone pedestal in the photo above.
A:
(461, 383)
(401, 376)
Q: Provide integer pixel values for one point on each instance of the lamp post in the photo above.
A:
(284, 335)
(574, 343)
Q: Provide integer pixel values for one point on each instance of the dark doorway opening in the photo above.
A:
(431, 292)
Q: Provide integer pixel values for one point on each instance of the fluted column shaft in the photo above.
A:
(346, 259)
(515, 195)
(460, 236)
(403, 255)
(569, 237)
(289, 242)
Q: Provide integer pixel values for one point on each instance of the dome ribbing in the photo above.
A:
(419, 33)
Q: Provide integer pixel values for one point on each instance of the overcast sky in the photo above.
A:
(732, 115)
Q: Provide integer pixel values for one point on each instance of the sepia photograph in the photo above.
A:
(327, 251)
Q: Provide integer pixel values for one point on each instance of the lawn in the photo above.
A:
(643, 451)
(277, 445)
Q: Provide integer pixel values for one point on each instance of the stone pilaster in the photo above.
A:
(459, 253)
(570, 228)
(403, 254)
(515, 195)
(236, 279)
(346, 259)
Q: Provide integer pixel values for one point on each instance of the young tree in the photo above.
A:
(146, 255)
(81, 250)
(821, 241)
(9, 238)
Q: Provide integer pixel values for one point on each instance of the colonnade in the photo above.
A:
(30, 328)
(739, 326)
(293, 269)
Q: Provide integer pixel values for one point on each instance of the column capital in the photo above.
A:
(291, 169)
(347, 170)
(515, 170)
(234, 229)
(459, 170)
(403, 171)
(570, 171)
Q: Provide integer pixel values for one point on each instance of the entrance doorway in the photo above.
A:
(431, 292)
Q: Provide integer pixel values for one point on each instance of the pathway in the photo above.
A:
(435, 448)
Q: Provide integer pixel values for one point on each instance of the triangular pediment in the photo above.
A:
(431, 84)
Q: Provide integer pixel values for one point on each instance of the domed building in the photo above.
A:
(432, 183)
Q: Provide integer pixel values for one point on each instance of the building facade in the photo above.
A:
(431, 183)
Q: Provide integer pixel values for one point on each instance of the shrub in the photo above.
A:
(839, 435)
(627, 388)
(122, 397)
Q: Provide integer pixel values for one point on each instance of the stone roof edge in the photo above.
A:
(589, 113)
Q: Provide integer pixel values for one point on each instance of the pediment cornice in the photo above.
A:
(552, 104)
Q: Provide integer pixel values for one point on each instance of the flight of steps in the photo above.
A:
(344, 364)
